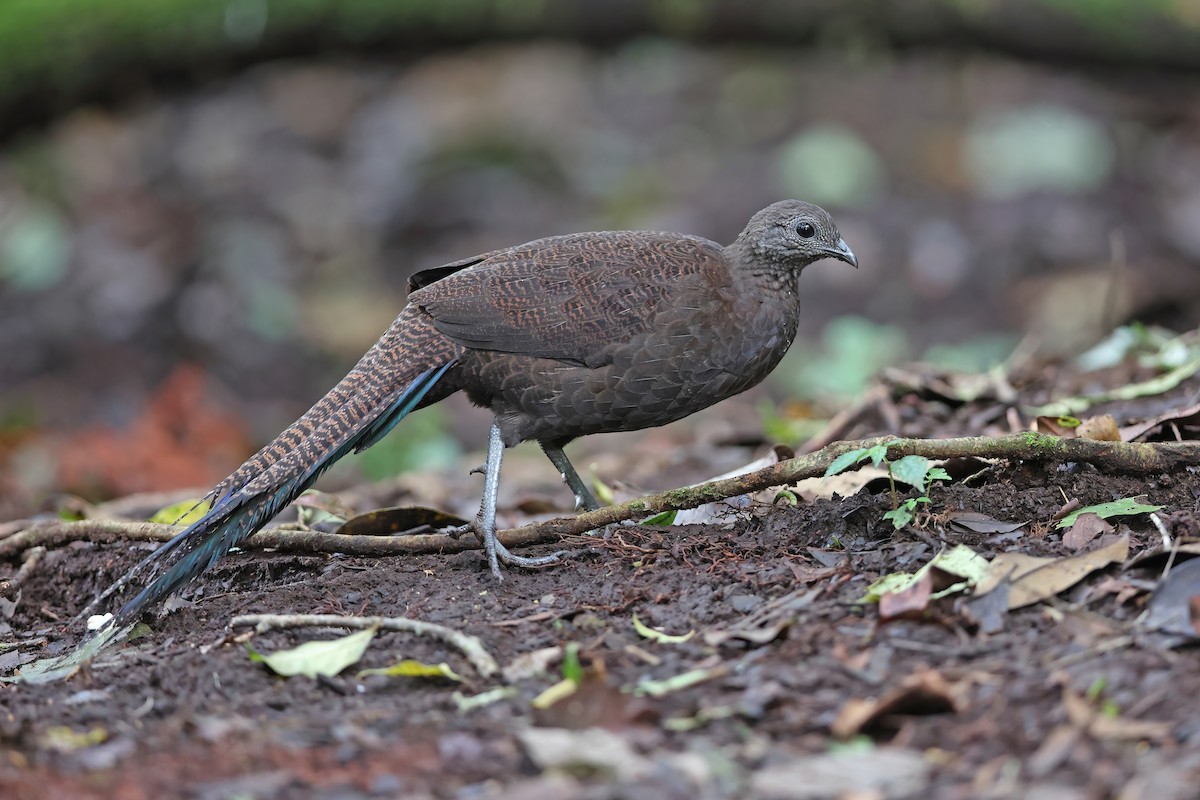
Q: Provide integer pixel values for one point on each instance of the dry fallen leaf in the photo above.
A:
(1085, 715)
(1031, 579)
(766, 622)
(1061, 574)
(1008, 567)
(850, 773)
(1170, 608)
(910, 601)
(976, 522)
(1102, 428)
(1179, 419)
(1085, 528)
(922, 693)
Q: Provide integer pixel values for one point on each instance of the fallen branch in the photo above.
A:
(1109, 456)
(480, 659)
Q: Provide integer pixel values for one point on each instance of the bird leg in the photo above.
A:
(485, 523)
(583, 496)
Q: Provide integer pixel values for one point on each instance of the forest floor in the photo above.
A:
(789, 684)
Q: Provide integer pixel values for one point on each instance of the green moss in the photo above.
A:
(1046, 445)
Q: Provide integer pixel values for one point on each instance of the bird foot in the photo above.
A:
(458, 530)
(511, 559)
(499, 554)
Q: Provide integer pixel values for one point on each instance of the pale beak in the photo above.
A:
(842, 252)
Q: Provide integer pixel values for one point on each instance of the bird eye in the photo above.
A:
(806, 230)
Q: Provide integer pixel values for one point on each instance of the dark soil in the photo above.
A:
(184, 712)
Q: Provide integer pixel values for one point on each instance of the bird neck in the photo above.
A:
(760, 271)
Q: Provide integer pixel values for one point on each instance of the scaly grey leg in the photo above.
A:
(583, 496)
(485, 523)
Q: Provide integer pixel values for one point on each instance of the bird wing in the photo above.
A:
(570, 298)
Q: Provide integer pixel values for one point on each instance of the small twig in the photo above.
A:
(480, 659)
(1162, 530)
(28, 564)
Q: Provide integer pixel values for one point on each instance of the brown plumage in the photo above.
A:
(559, 338)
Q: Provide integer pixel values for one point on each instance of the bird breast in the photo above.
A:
(689, 359)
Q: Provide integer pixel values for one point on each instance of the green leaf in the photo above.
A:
(572, 668)
(959, 561)
(901, 516)
(877, 454)
(845, 461)
(936, 474)
(317, 658)
(411, 668)
(658, 636)
(962, 562)
(185, 512)
(1124, 507)
(663, 519)
(890, 584)
(911, 470)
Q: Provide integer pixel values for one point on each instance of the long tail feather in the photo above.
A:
(240, 510)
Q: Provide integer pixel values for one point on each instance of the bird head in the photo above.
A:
(793, 234)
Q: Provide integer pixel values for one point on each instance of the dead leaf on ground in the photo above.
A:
(595, 703)
(828, 558)
(1086, 716)
(1171, 607)
(1062, 427)
(594, 751)
(1009, 567)
(975, 522)
(1085, 528)
(866, 773)
(911, 601)
(1054, 750)
(400, 520)
(1122, 589)
(768, 621)
(919, 694)
(803, 573)
(844, 484)
(1034, 579)
(1183, 550)
(988, 611)
(1102, 428)
(1177, 425)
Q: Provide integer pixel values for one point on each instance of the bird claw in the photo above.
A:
(480, 470)
(458, 530)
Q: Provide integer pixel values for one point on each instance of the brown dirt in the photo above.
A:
(184, 712)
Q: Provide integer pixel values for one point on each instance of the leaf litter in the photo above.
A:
(930, 693)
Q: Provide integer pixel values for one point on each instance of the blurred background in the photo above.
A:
(209, 208)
